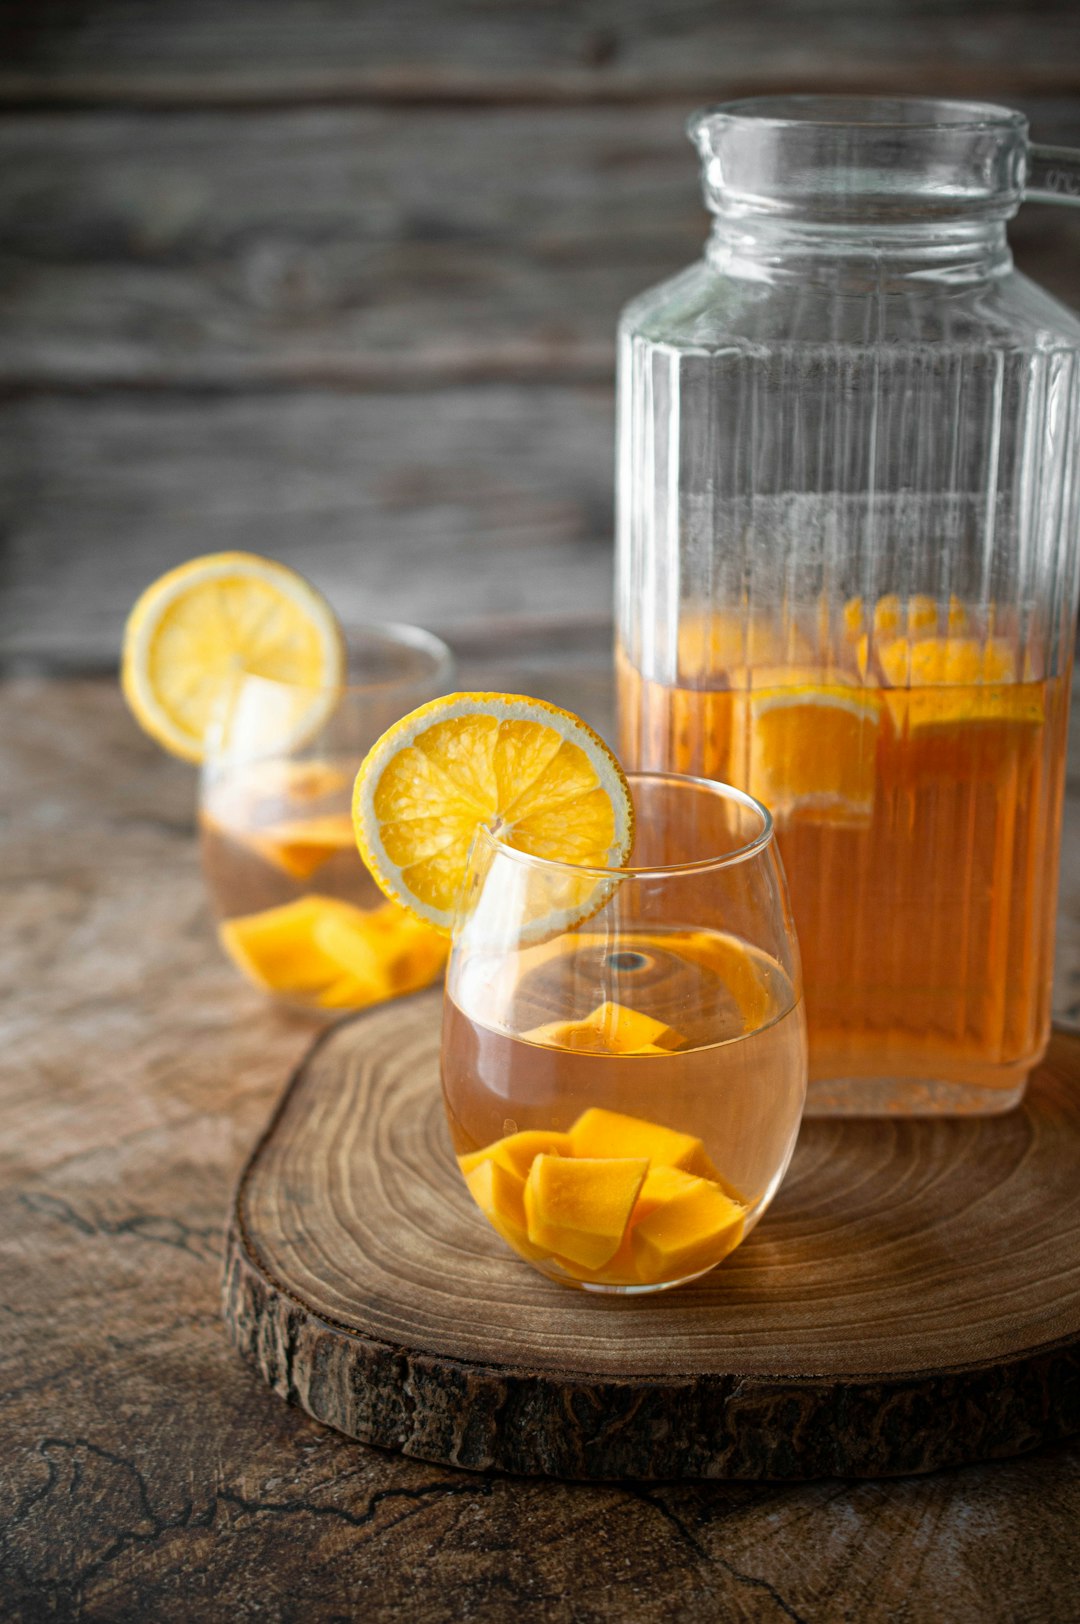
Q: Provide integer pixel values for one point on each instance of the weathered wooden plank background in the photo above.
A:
(338, 281)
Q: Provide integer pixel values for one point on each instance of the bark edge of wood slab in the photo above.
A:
(911, 1301)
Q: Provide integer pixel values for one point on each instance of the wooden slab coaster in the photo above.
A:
(911, 1300)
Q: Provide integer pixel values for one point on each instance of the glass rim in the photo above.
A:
(655, 871)
(397, 634)
(811, 111)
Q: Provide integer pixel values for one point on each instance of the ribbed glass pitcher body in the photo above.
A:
(849, 505)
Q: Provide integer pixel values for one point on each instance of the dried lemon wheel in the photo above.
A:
(227, 614)
(535, 776)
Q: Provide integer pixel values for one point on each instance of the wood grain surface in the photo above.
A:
(444, 508)
(148, 1474)
(255, 51)
(363, 248)
(911, 1299)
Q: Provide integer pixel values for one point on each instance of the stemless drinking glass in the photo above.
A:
(298, 912)
(624, 1050)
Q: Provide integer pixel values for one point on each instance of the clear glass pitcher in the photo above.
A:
(849, 516)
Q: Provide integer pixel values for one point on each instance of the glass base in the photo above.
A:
(597, 1288)
(914, 1096)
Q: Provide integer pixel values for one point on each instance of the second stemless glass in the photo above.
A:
(624, 1051)
(299, 914)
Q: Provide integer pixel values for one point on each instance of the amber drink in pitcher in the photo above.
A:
(849, 517)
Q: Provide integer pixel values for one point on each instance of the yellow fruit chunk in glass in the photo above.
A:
(277, 949)
(383, 946)
(354, 992)
(299, 846)
(517, 1151)
(626, 1030)
(353, 941)
(662, 1184)
(578, 1036)
(599, 1132)
(610, 1029)
(534, 776)
(579, 1207)
(500, 1195)
(692, 1226)
(813, 749)
(332, 953)
(413, 953)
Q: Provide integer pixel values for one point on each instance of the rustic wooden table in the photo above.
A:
(148, 1474)
(337, 281)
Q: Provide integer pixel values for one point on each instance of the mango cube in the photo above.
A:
(579, 1208)
(383, 949)
(413, 952)
(609, 1133)
(333, 953)
(350, 941)
(517, 1151)
(298, 846)
(662, 1184)
(577, 1036)
(277, 948)
(500, 1196)
(627, 1031)
(610, 1029)
(354, 992)
(686, 1233)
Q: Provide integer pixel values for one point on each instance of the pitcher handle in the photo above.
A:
(1053, 175)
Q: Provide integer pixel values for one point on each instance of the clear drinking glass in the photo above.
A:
(298, 912)
(624, 1050)
(849, 538)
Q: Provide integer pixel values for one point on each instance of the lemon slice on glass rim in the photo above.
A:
(215, 619)
(535, 777)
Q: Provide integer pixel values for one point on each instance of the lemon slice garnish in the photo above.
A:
(198, 628)
(813, 748)
(535, 776)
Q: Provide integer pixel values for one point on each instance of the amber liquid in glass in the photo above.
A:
(273, 832)
(919, 828)
(735, 1082)
(300, 915)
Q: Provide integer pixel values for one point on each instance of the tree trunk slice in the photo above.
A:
(910, 1301)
